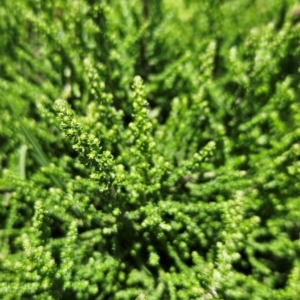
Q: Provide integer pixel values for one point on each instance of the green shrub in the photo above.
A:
(149, 149)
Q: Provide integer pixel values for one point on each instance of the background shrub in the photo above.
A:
(149, 149)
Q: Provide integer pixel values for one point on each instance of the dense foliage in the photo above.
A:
(149, 149)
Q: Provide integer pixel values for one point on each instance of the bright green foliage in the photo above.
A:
(149, 149)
